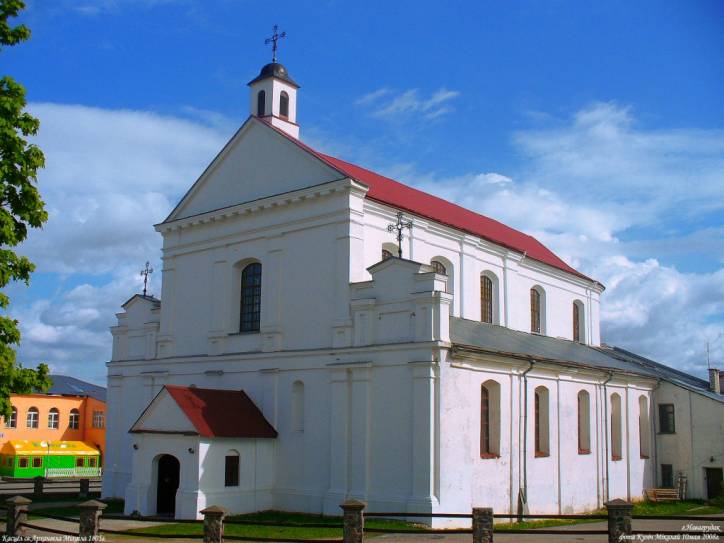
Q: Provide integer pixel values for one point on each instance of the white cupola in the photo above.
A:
(274, 98)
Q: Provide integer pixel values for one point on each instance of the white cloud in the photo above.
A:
(109, 176)
(386, 105)
(588, 181)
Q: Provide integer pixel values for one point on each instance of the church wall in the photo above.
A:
(256, 474)
(358, 434)
(469, 257)
(564, 481)
(299, 247)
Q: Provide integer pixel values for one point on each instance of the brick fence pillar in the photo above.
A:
(17, 514)
(482, 525)
(90, 514)
(214, 524)
(84, 488)
(353, 521)
(619, 519)
(38, 486)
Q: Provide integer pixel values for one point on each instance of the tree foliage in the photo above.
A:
(21, 207)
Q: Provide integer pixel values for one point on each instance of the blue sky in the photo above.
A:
(596, 127)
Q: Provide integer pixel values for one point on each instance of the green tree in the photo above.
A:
(20, 207)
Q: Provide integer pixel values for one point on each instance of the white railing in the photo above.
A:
(73, 472)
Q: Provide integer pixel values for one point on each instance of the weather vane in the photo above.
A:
(273, 40)
(399, 226)
(145, 272)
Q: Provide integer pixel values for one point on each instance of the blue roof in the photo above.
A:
(70, 386)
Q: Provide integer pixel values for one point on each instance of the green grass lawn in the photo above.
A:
(297, 522)
(254, 530)
(115, 507)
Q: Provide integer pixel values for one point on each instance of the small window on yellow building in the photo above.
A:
(37, 462)
(78, 462)
(92, 462)
(23, 463)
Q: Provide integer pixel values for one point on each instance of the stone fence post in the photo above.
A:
(482, 525)
(90, 513)
(84, 488)
(17, 514)
(214, 524)
(619, 519)
(353, 521)
(38, 486)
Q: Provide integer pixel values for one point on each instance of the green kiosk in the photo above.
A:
(23, 458)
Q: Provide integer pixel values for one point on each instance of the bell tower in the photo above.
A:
(274, 93)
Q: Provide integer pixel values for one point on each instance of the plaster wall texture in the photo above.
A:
(697, 442)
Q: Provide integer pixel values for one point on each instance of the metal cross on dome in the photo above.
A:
(400, 225)
(273, 40)
(145, 273)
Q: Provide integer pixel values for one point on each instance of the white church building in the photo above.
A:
(294, 360)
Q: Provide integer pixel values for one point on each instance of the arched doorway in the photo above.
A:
(168, 479)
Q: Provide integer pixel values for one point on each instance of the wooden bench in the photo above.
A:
(662, 494)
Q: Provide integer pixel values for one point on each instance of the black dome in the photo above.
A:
(274, 69)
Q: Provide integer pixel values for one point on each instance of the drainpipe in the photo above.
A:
(523, 492)
(605, 432)
(652, 436)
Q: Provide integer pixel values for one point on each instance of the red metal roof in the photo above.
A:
(221, 413)
(400, 196)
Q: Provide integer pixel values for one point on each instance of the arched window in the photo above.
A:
(486, 299)
(284, 105)
(542, 429)
(260, 104)
(12, 422)
(578, 322)
(298, 406)
(644, 427)
(584, 422)
(616, 438)
(32, 418)
(537, 310)
(386, 254)
(389, 250)
(490, 419)
(74, 419)
(53, 418)
(439, 267)
(231, 468)
(250, 298)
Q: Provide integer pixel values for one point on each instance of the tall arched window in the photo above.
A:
(616, 438)
(386, 254)
(298, 406)
(32, 418)
(12, 422)
(578, 322)
(261, 103)
(284, 105)
(74, 419)
(53, 418)
(584, 422)
(644, 427)
(250, 298)
(541, 416)
(490, 419)
(486, 299)
(537, 302)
